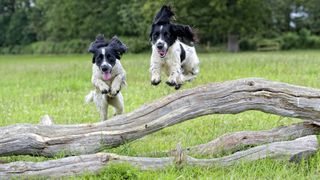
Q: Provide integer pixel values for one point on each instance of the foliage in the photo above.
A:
(24, 22)
(136, 44)
(290, 40)
(48, 47)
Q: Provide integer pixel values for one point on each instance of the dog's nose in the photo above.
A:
(160, 45)
(104, 68)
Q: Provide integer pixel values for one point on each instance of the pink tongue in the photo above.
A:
(162, 53)
(106, 76)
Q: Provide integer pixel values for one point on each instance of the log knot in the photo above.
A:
(251, 83)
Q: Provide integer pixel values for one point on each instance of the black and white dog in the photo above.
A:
(173, 50)
(108, 75)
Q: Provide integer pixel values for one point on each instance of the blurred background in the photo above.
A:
(68, 26)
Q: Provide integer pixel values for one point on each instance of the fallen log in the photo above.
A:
(76, 165)
(236, 141)
(229, 97)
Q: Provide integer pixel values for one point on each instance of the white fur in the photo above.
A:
(113, 85)
(177, 72)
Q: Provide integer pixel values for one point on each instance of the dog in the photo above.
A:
(173, 50)
(108, 75)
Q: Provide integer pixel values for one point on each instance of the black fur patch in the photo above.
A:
(99, 42)
(163, 16)
(113, 50)
(170, 31)
(182, 54)
(117, 47)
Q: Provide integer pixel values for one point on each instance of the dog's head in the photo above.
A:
(105, 54)
(164, 33)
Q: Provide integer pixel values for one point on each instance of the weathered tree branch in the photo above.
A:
(70, 166)
(229, 97)
(233, 142)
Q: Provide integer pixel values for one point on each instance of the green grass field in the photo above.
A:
(32, 86)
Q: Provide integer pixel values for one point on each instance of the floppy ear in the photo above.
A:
(93, 58)
(98, 43)
(117, 46)
(184, 32)
(151, 31)
(164, 15)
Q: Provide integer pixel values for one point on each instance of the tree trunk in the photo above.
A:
(233, 44)
(229, 97)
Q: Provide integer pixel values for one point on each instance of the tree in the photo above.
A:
(66, 20)
(238, 18)
(16, 18)
(312, 8)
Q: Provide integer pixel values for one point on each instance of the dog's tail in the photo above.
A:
(89, 97)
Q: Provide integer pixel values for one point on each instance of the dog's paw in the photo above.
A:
(171, 83)
(114, 92)
(177, 86)
(155, 82)
(105, 91)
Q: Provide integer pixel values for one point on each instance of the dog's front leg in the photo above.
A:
(117, 82)
(155, 69)
(174, 78)
(100, 85)
(102, 105)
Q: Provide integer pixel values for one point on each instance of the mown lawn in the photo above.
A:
(32, 86)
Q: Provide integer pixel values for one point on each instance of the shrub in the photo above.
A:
(207, 48)
(289, 40)
(313, 42)
(48, 47)
(247, 44)
(302, 40)
(136, 44)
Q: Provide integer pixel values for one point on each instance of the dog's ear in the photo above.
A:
(117, 46)
(184, 32)
(93, 58)
(151, 32)
(99, 42)
(164, 15)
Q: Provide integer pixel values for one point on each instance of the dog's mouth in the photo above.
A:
(106, 75)
(162, 53)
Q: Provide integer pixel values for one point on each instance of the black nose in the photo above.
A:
(160, 46)
(104, 68)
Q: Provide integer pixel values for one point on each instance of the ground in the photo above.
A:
(32, 86)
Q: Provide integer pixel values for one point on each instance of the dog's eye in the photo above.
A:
(166, 34)
(99, 58)
(155, 35)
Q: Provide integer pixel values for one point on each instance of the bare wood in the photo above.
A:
(229, 97)
(46, 120)
(77, 165)
(233, 142)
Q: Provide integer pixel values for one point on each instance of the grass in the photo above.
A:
(32, 86)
